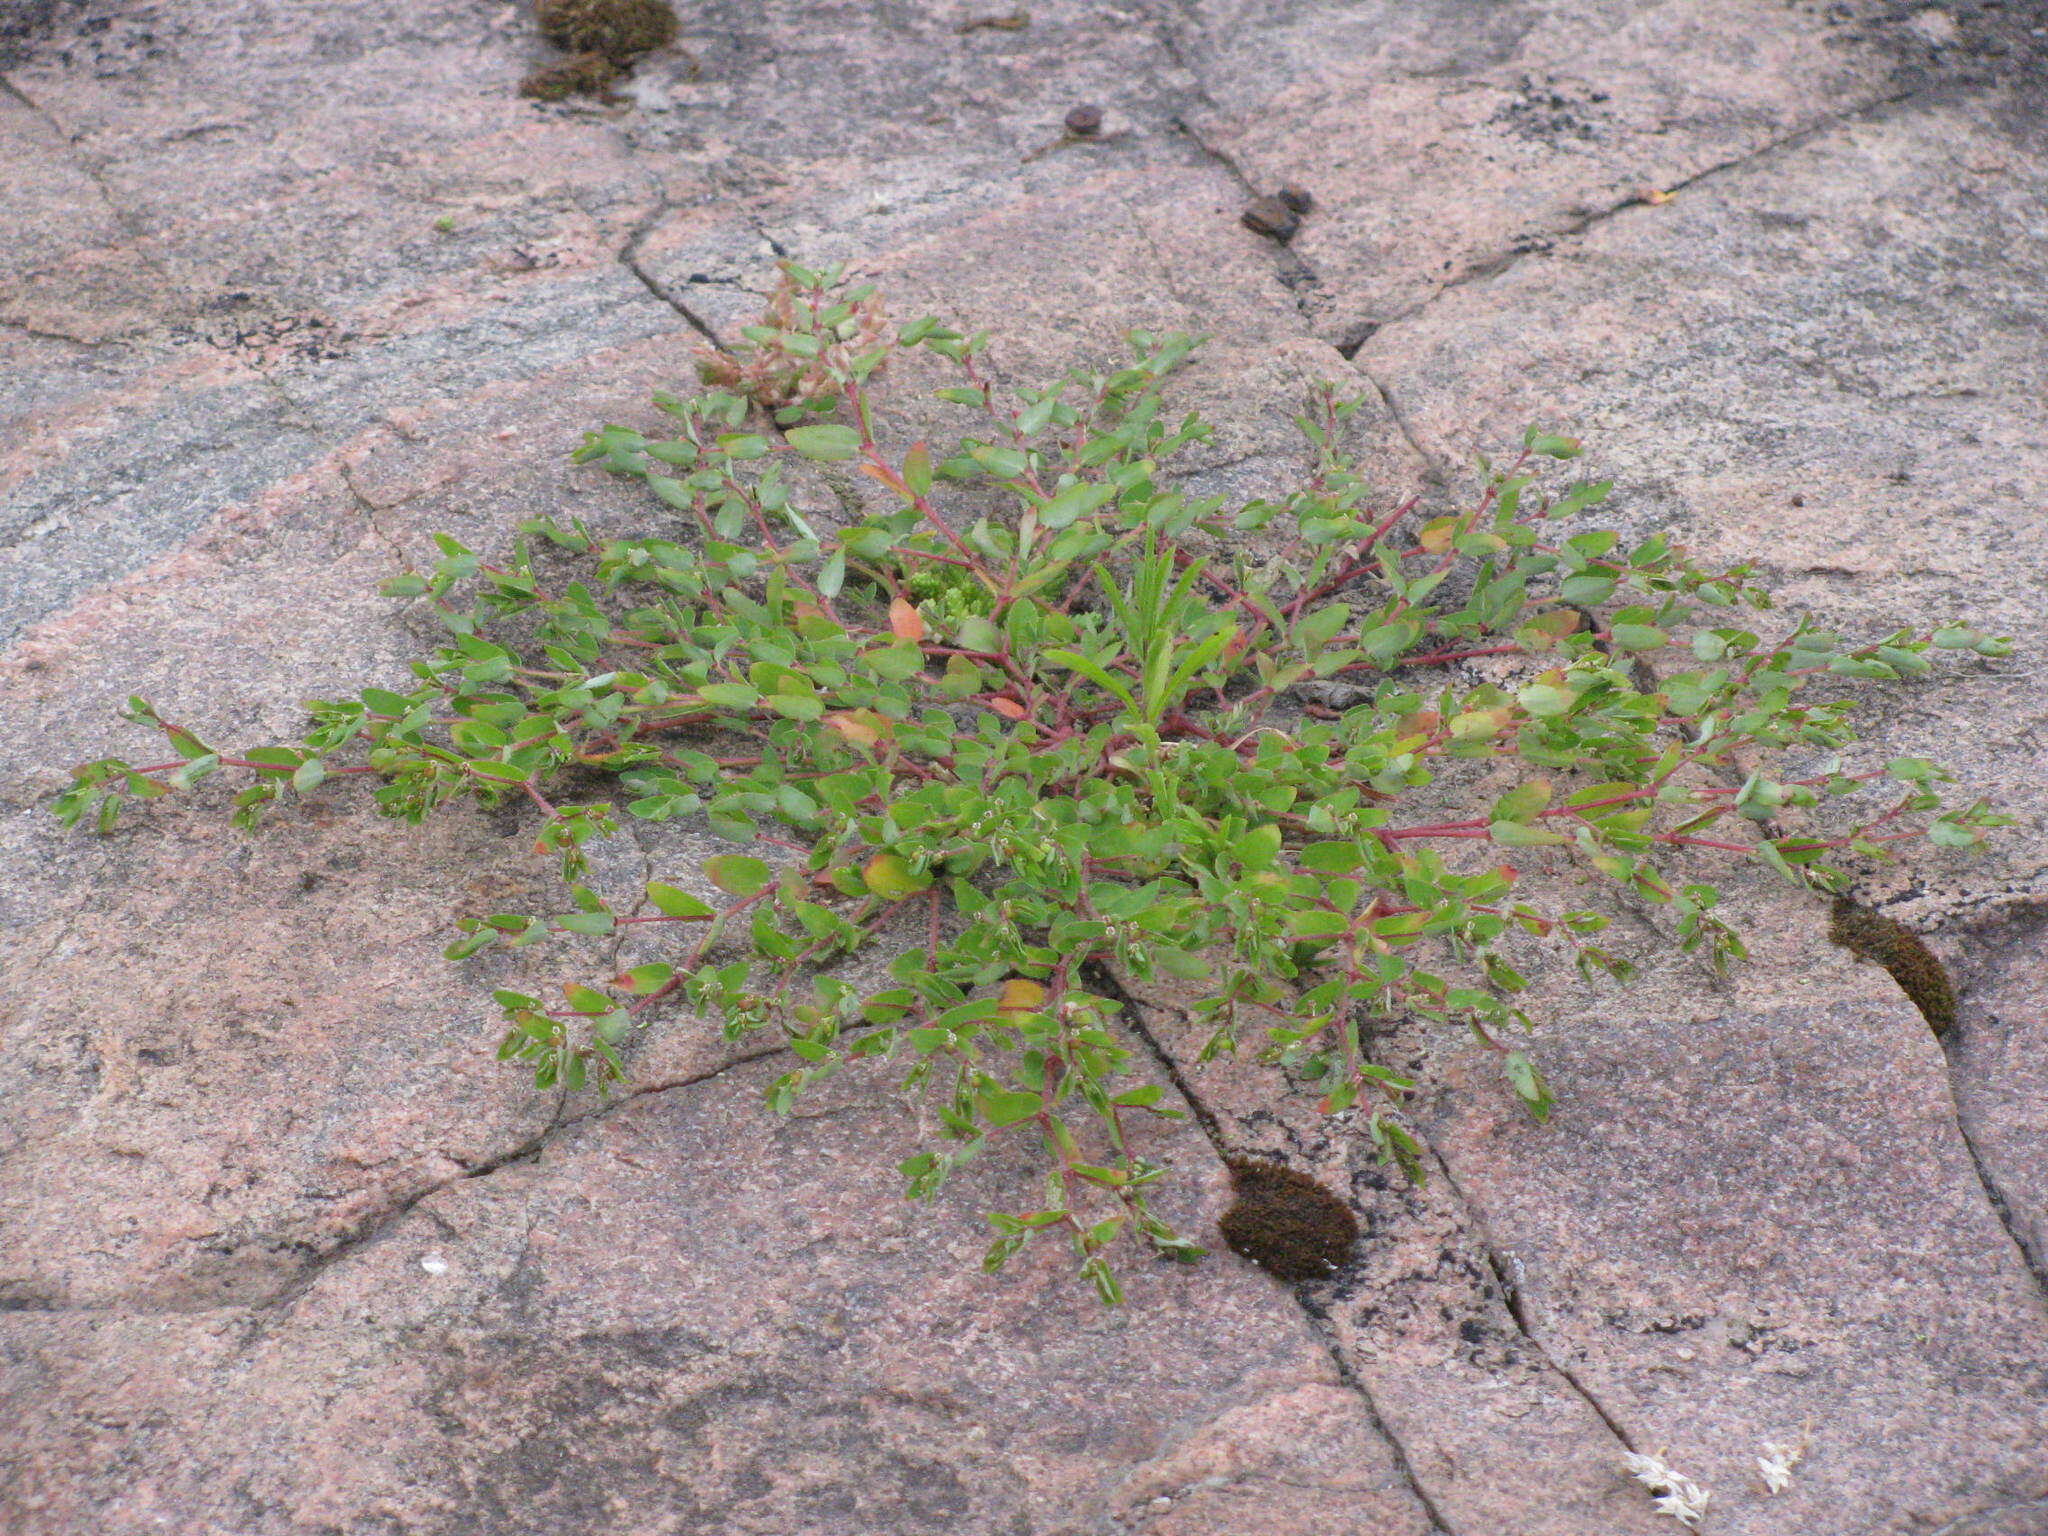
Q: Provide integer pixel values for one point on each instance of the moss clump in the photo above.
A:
(587, 74)
(617, 29)
(1923, 978)
(1286, 1222)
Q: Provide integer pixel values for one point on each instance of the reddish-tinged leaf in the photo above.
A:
(853, 728)
(905, 622)
(890, 877)
(1020, 998)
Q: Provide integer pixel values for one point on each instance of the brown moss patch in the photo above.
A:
(1286, 1222)
(587, 74)
(1920, 975)
(617, 29)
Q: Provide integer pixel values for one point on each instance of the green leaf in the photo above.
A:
(738, 875)
(1001, 1106)
(1512, 834)
(1258, 848)
(1003, 463)
(827, 442)
(1316, 924)
(1528, 1084)
(669, 901)
(1946, 834)
(730, 695)
(1074, 502)
(1554, 446)
(1095, 674)
(1588, 591)
(1640, 637)
(645, 980)
(1523, 801)
(890, 876)
(1546, 701)
(1331, 858)
(917, 469)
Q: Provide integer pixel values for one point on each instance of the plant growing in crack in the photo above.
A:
(1042, 717)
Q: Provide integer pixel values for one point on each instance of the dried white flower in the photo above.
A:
(1776, 1464)
(1674, 1493)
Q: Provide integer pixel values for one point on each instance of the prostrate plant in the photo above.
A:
(1043, 718)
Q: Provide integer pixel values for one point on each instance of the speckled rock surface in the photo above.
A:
(282, 1249)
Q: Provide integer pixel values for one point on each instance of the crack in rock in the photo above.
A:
(375, 1227)
(1960, 1526)
(2023, 928)
(1511, 1293)
(629, 258)
(1105, 982)
(1502, 261)
(1433, 471)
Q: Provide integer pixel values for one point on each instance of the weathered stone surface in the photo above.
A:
(248, 370)
(1770, 1227)
(1879, 480)
(1998, 1061)
(583, 1341)
(1419, 1313)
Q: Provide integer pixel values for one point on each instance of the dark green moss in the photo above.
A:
(587, 74)
(1920, 975)
(1286, 1222)
(618, 29)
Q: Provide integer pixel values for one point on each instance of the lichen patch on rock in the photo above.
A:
(1871, 935)
(1287, 1223)
(618, 29)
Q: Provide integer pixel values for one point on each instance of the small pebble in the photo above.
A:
(1084, 122)
(1272, 218)
(434, 1264)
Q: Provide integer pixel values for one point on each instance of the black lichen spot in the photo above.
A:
(1922, 977)
(587, 74)
(1286, 1222)
(618, 29)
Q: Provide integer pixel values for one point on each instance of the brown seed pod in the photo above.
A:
(1920, 974)
(1272, 218)
(1287, 1223)
(618, 29)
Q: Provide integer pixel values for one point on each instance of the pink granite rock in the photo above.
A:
(284, 1251)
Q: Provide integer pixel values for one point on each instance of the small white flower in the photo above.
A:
(1674, 1493)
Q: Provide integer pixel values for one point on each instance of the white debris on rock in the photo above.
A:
(1673, 1493)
